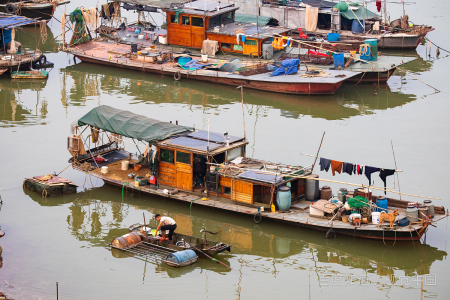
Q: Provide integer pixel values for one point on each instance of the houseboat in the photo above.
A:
(211, 169)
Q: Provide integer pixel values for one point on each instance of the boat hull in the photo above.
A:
(49, 190)
(372, 77)
(307, 88)
(43, 12)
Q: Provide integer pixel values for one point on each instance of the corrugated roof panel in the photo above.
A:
(261, 176)
(213, 137)
(193, 143)
(8, 21)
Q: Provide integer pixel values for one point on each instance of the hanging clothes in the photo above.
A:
(324, 164)
(378, 5)
(354, 169)
(385, 173)
(359, 169)
(347, 168)
(336, 166)
(312, 16)
(368, 172)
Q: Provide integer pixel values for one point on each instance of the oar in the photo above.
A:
(213, 259)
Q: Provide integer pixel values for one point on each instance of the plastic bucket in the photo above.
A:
(375, 217)
(125, 165)
(104, 170)
(334, 37)
(339, 60)
(284, 198)
(373, 48)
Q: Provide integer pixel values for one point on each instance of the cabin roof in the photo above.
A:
(157, 3)
(131, 125)
(8, 21)
(251, 31)
(204, 8)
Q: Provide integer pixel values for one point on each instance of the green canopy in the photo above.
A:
(129, 124)
(359, 14)
(248, 19)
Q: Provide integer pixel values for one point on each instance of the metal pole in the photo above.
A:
(57, 296)
(395, 162)
(364, 18)
(243, 116)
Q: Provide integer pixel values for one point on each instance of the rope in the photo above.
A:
(437, 45)
(395, 238)
(43, 29)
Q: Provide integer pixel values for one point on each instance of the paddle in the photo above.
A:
(213, 259)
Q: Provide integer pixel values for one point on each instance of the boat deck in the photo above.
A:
(113, 54)
(298, 215)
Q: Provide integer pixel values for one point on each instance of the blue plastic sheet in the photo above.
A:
(288, 66)
(194, 65)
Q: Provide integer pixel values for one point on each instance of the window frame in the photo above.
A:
(175, 17)
(192, 23)
(161, 155)
(182, 162)
(188, 17)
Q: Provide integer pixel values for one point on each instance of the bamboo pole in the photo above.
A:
(320, 146)
(335, 181)
(309, 284)
(317, 156)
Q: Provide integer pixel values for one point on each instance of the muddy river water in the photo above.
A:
(63, 239)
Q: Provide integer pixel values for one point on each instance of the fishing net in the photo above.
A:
(79, 35)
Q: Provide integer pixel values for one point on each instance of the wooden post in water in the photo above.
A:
(57, 291)
(421, 289)
(309, 283)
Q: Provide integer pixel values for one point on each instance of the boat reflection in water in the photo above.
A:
(266, 247)
(88, 83)
(13, 111)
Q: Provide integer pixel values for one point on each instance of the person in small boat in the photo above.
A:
(165, 223)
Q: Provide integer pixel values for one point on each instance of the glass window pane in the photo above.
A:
(238, 47)
(232, 154)
(196, 21)
(185, 20)
(227, 190)
(184, 157)
(174, 19)
(167, 155)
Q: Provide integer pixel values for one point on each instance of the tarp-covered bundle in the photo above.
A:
(249, 19)
(131, 125)
(288, 66)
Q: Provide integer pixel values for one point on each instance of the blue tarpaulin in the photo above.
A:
(288, 66)
(8, 21)
(194, 65)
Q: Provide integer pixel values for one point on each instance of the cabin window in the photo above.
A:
(183, 157)
(174, 19)
(227, 190)
(233, 153)
(250, 42)
(197, 22)
(219, 158)
(238, 48)
(167, 155)
(185, 20)
(214, 21)
(227, 17)
(225, 46)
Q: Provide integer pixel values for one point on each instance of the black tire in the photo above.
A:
(257, 218)
(177, 75)
(10, 8)
(43, 60)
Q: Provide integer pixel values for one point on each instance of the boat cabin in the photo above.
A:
(181, 159)
(191, 23)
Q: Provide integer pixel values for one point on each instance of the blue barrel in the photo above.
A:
(357, 27)
(339, 60)
(284, 198)
(6, 37)
(373, 48)
(382, 204)
(334, 37)
(182, 258)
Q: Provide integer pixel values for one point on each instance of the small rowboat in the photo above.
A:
(29, 75)
(182, 242)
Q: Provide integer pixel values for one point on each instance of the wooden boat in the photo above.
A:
(42, 9)
(182, 242)
(186, 164)
(55, 186)
(29, 75)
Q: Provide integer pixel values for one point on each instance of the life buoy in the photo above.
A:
(10, 8)
(177, 75)
(257, 218)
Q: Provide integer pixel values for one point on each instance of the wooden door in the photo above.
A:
(184, 170)
(197, 32)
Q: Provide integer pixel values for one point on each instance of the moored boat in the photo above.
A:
(50, 185)
(181, 163)
(42, 9)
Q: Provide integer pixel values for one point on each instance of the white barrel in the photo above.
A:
(162, 40)
(125, 165)
(204, 57)
(104, 170)
(376, 217)
(267, 50)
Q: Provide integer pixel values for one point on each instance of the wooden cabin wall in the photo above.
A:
(167, 174)
(176, 174)
(184, 173)
(242, 191)
(185, 35)
(261, 194)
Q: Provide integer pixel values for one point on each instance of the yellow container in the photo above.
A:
(353, 53)
(272, 208)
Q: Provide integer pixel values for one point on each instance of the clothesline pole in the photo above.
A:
(333, 181)
(312, 169)
(395, 162)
